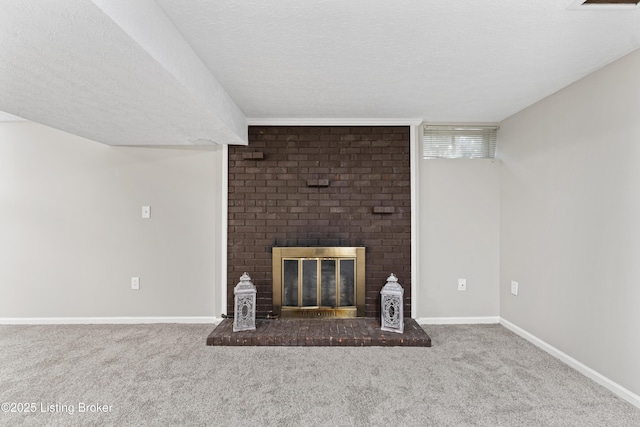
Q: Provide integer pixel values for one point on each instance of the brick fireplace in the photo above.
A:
(320, 187)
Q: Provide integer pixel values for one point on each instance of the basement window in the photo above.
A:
(459, 142)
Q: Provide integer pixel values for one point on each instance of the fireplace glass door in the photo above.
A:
(323, 285)
(319, 282)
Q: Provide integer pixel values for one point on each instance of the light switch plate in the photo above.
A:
(146, 212)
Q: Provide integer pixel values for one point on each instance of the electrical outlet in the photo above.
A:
(514, 287)
(135, 283)
(462, 284)
(146, 212)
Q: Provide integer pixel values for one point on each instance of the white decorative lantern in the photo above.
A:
(392, 311)
(244, 318)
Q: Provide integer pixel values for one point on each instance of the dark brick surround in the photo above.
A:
(278, 197)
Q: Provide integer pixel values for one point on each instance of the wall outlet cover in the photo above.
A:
(462, 284)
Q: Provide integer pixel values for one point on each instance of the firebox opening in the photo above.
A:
(319, 281)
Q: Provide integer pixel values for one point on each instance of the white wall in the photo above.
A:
(71, 235)
(459, 237)
(570, 209)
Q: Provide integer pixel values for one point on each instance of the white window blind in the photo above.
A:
(457, 142)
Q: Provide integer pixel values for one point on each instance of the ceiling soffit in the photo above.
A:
(118, 74)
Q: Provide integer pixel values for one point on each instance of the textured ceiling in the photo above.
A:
(440, 60)
(190, 72)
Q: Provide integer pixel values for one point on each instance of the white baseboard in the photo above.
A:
(103, 320)
(614, 387)
(458, 320)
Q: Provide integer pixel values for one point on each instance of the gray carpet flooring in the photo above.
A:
(165, 375)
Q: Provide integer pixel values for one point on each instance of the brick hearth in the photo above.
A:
(359, 332)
